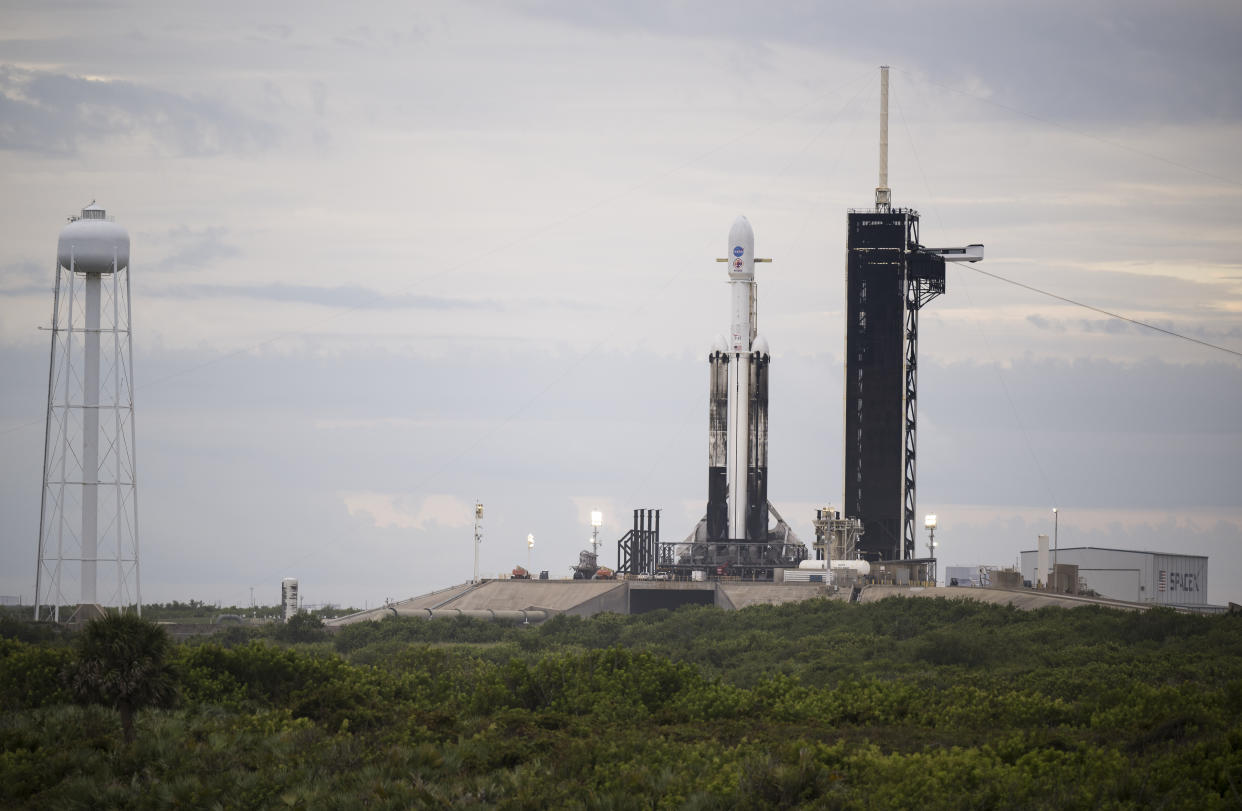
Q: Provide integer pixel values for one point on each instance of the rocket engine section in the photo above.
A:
(757, 467)
(718, 443)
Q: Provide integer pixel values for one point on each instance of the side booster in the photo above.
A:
(737, 443)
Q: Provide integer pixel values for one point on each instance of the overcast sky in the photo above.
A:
(391, 258)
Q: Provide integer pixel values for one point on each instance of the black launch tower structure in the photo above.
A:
(889, 277)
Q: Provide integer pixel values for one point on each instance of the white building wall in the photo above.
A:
(1180, 579)
(1118, 584)
(1140, 577)
(1115, 573)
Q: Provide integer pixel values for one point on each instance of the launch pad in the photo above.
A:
(700, 558)
(534, 601)
(538, 600)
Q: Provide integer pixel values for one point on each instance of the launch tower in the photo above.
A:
(890, 276)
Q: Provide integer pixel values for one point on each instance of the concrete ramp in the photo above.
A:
(434, 599)
(582, 597)
(587, 597)
(741, 595)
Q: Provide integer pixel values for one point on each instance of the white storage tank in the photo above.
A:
(289, 597)
(860, 568)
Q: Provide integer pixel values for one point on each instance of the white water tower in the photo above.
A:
(289, 598)
(88, 522)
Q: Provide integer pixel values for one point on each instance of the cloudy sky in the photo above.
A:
(391, 258)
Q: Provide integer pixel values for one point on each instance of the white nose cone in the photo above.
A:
(741, 250)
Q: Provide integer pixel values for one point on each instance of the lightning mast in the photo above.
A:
(890, 276)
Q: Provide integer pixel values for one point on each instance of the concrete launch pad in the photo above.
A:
(587, 597)
(537, 600)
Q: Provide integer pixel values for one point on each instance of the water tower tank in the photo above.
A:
(93, 244)
(289, 597)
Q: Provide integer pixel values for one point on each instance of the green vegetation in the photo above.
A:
(194, 612)
(197, 611)
(902, 703)
(121, 663)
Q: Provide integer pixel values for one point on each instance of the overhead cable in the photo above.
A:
(1108, 313)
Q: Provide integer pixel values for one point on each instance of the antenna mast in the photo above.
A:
(883, 194)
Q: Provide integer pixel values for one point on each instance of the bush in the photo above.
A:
(301, 628)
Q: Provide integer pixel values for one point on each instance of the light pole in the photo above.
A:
(930, 522)
(530, 545)
(1056, 522)
(478, 537)
(597, 521)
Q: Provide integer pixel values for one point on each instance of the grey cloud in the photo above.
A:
(358, 38)
(348, 296)
(319, 97)
(1088, 433)
(56, 114)
(276, 31)
(1115, 60)
(1110, 326)
(197, 248)
(1043, 323)
(1090, 396)
(1116, 326)
(19, 278)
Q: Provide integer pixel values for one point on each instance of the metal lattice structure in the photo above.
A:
(638, 551)
(924, 281)
(89, 509)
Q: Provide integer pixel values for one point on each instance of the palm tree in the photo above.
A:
(121, 663)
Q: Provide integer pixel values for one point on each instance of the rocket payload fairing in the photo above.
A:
(737, 478)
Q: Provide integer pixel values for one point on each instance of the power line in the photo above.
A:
(997, 369)
(1108, 313)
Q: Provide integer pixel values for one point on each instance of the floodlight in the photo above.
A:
(597, 518)
(930, 521)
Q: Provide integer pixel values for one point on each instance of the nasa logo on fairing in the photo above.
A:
(737, 250)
